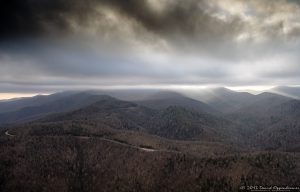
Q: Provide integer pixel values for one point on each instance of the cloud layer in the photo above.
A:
(60, 44)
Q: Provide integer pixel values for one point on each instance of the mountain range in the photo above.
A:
(203, 140)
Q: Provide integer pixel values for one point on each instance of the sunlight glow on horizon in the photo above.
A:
(250, 89)
(8, 96)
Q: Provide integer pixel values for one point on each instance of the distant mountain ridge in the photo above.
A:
(19, 103)
(61, 104)
(165, 99)
(293, 92)
(172, 115)
(172, 122)
(223, 99)
(180, 123)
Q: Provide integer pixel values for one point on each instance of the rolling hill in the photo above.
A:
(284, 133)
(64, 104)
(293, 92)
(223, 99)
(172, 122)
(165, 99)
(180, 123)
(261, 113)
(19, 103)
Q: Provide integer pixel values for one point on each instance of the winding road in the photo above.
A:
(10, 135)
(128, 145)
(116, 142)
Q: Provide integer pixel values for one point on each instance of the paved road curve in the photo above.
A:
(6, 133)
(116, 142)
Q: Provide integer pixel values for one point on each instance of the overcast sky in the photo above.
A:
(52, 45)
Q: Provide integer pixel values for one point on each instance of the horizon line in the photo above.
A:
(5, 96)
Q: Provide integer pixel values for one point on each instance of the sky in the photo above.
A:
(54, 45)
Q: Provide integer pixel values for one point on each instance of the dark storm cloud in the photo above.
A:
(191, 18)
(194, 25)
(35, 17)
(69, 43)
(31, 17)
(48, 59)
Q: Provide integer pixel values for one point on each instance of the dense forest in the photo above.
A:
(108, 144)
